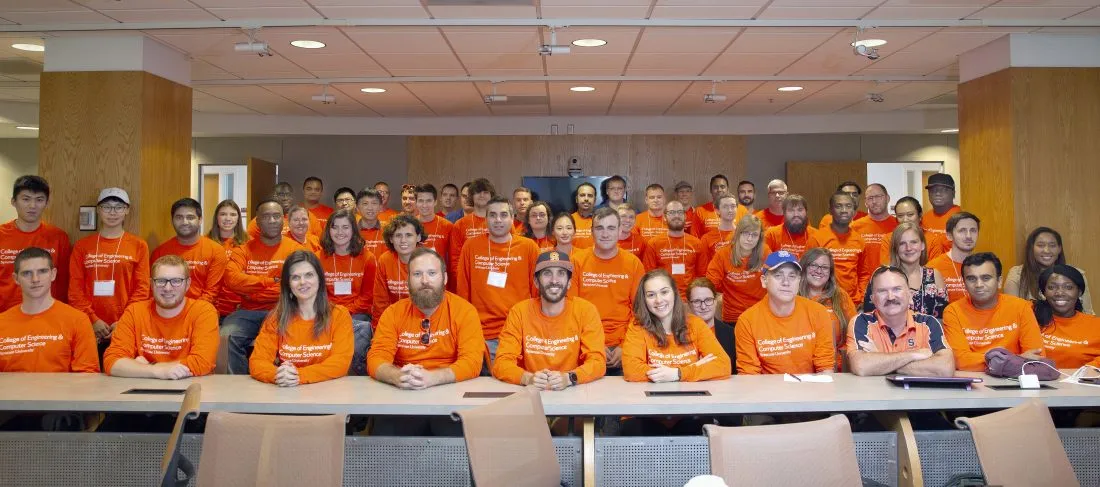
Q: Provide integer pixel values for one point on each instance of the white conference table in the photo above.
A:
(608, 396)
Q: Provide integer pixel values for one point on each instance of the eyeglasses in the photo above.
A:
(426, 336)
(175, 282)
(708, 302)
(819, 268)
(113, 208)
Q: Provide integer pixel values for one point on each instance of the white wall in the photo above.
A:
(17, 157)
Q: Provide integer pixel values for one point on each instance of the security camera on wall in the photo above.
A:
(575, 170)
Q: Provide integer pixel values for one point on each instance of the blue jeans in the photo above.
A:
(491, 345)
(360, 327)
(241, 327)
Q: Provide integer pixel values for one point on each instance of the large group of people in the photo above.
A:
(467, 281)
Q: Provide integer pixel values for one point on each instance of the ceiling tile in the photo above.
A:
(595, 11)
(691, 102)
(205, 42)
(397, 101)
(1088, 14)
(134, 4)
(741, 64)
(525, 61)
(482, 12)
(249, 3)
(257, 98)
(495, 39)
(335, 41)
(922, 12)
(458, 99)
(642, 97)
(359, 63)
(250, 66)
(161, 15)
(1049, 12)
(904, 95)
(74, 15)
(202, 102)
(420, 40)
(394, 62)
(303, 95)
(684, 63)
(766, 40)
(706, 13)
(817, 12)
(592, 102)
(265, 13)
(373, 12)
(202, 70)
(686, 39)
(605, 64)
(619, 39)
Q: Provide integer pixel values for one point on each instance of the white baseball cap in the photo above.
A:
(113, 193)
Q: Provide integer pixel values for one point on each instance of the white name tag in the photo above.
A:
(341, 288)
(678, 269)
(498, 279)
(103, 288)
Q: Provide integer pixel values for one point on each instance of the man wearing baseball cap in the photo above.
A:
(685, 194)
(941, 194)
(553, 341)
(784, 332)
(110, 269)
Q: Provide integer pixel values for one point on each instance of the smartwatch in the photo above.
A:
(572, 378)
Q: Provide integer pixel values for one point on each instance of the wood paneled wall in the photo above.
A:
(127, 129)
(641, 159)
(817, 181)
(1030, 156)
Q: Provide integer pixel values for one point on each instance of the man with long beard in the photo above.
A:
(553, 341)
(793, 234)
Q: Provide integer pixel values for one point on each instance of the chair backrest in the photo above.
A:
(1019, 446)
(271, 450)
(189, 410)
(810, 453)
(508, 442)
(221, 362)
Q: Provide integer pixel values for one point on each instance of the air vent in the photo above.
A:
(479, 3)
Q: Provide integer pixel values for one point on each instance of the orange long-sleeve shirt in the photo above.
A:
(437, 236)
(207, 261)
(391, 282)
(935, 244)
(316, 227)
(714, 240)
(59, 339)
(253, 269)
(800, 343)
(684, 257)
(635, 243)
(778, 238)
(650, 226)
(544, 243)
(227, 300)
(359, 271)
(707, 216)
(464, 229)
(692, 224)
(740, 287)
(13, 240)
(372, 240)
(480, 257)
(827, 219)
(609, 284)
(190, 338)
(455, 339)
(847, 250)
(311, 243)
(317, 359)
(569, 342)
(873, 232)
(640, 350)
(769, 219)
(971, 332)
(321, 212)
(386, 215)
(124, 260)
(582, 236)
(937, 223)
(1072, 342)
(952, 277)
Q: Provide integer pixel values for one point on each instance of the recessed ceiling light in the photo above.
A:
(307, 44)
(29, 47)
(26, 127)
(589, 42)
(373, 90)
(949, 131)
(582, 88)
(869, 42)
(790, 88)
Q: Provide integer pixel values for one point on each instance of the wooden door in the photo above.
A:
(211, 191)
(817, 181)
(261, 181)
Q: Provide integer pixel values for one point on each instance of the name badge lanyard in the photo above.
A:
(499, 279)
(108, 286)
(680, 268)
(342, 287)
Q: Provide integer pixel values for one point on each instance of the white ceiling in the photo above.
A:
(918, 63)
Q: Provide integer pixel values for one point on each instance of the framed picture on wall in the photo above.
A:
(87, 219)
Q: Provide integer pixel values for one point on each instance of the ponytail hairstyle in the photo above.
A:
(1044, 313)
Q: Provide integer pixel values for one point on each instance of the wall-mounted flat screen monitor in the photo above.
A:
(559, 191)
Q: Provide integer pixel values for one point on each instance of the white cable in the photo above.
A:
(1044, 363)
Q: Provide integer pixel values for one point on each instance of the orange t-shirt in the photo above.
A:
(318, 358)
(253, 269)
(481, 260)
(684, 257)
(572, 341)
(934, 243)
(391, 282)
(952, 276)
(692, 224)
(827, 220)
(1073, 342)
(437, 236)
(13, 240)
(227, 301)
(190, 338)
(635, 244)
(971, 332)
(359, 271)
(545, 243)
(714, 240)
(740, 287)
(874, 232)
(372, 240)
(386, 215)
(777, 238)
(650, 226)
(800, 343)
(455, 339)
(641, 351)
(59, 339)
(205, 259)
(582, 236)
(124, 260)
(312, 243)
(937, 223)
(321, 212)
(769, 219)
(316, 227)
(847, 250)
(609, 284)
(465, 228)
(707, 216)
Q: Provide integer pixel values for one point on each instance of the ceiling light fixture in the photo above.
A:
(493, 97)
(714, 96)
(869, 43)
(875, 97)
(324, 97)
(866, 48)
(582, 88)
(949, 131)
(373, 90)
(29, 47)
(26, 127)
(790, 88)
(589, 42)
(553, 47)
(307, 44)
(253, 45)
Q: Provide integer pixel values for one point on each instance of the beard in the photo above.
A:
(677, 226)
(795, 228)
(427, 297)
(544, 293)
(170, 303)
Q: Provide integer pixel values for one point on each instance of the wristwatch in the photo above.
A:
(572, 378)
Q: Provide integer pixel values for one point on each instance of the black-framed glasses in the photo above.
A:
(175, 282)
(708, 302)
(425, 336)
